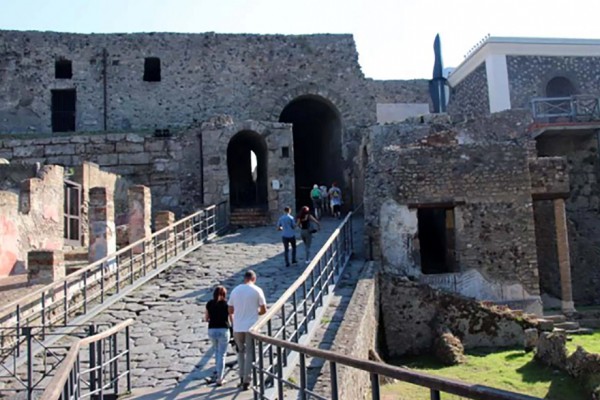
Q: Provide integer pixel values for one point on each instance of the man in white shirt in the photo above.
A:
(246, 303)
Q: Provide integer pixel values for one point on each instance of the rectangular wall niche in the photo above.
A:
(63, 69)
(437, 240)
(152, 69)
(63, 110)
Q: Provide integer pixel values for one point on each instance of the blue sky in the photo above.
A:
(394, 37)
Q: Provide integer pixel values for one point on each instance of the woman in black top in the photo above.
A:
(304, 221)
(217, 317)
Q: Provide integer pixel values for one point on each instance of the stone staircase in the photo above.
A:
(560, 322)
(249, 217)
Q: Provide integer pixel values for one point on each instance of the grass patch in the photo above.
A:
(512, 370)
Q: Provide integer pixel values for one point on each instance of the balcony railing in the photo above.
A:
(578, 108)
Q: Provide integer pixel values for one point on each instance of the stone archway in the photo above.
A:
(317, 132)
(247, 161)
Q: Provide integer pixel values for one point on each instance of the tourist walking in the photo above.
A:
(335, 198)
(325, 203)
(217, 316)
(246, 303)
(317, 201)
(287, 226)
(305, 221)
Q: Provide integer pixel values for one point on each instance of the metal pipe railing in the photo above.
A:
(102, 376)
(56, 304)
(282, 344)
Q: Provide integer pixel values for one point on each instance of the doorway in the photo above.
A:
(247, 162)
(437, 240)
(317, 132)
(63, 110)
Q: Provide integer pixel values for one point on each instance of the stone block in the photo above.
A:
(45, 266)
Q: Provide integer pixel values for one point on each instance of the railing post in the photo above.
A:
(115, 378)
(144, 257)
(128, 358)
(334, 382)
(261, 370)
(18, 329)
(302, 376)
(85, 275)
(270, 334)
(279, 373)
(102, 282)
(28, 339)
(131, 257)
(43, 315)
(375, 389)
(100, 370)
(66, 301)
(92, 352)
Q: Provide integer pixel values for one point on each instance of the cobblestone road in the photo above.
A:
(170, 340)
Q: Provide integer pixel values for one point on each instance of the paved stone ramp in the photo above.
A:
(172, 353)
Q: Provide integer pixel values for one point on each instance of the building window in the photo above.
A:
(63, 69)
(63, 110)
(152, 69)
(437, 240)
(559, 87)
(285, 152)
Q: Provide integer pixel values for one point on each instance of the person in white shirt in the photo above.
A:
(246, 303)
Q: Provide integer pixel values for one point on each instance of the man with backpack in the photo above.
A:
(335, 198)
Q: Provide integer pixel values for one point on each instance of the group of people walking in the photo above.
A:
(326, 201)
(236, 315)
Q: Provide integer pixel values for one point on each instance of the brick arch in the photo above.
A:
(545, 80)
(318, 137)
(330, 97)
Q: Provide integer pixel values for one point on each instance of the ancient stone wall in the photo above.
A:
(401, 91)
(89, 175)
(357, 335)
(470, 96)
(216, 137)
(31, 218)
(201, 75)
(169, 166)
(582, 206)
(529, 75)
(412, 313)
(490, 190)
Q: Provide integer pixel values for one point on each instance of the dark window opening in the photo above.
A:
(437, 240)
(63, 110)
(63, 69)
(115, 62)
(285, 152)
(152, 69)
(559, 87)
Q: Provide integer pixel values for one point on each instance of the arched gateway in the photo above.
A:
(317, 131)
(247, 161)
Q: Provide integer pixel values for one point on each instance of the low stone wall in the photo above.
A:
(412, 313)
(357, 334)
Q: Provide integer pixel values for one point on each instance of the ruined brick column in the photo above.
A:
(139, 215)
(564, 262)
(162, 220)
(103, 235)
(45, 266)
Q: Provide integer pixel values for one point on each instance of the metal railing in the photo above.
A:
(103, 374)
(280, 339)
(578, 108)
(62, 302)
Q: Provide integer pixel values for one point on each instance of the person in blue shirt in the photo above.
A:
(287, 226)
